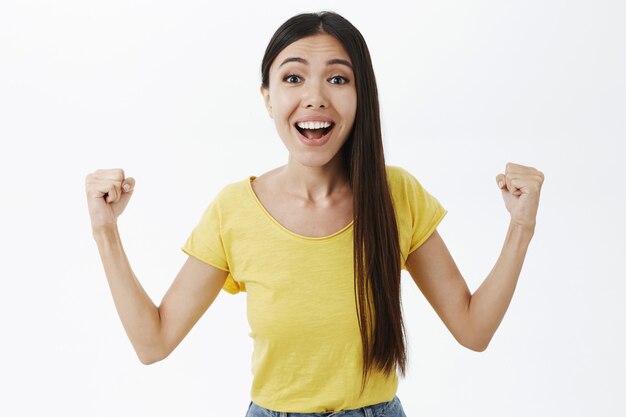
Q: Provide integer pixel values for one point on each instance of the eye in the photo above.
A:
(292, 78)
(338, 79)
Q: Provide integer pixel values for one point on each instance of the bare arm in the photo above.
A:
(156, 331)
(139, 315)
(491, 300)
(472, 319)
(153, 331)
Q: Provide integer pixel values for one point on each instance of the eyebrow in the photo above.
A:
(329, 62)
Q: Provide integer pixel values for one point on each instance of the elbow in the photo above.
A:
(149, 360)
(150, 357)
(477, 348)
(473, 339)
(475, 344)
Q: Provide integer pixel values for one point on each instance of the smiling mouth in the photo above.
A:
(315, 133)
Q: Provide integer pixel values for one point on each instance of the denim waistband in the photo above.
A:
(374, 410)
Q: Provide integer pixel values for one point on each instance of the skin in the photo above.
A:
(310, 87)
(474, 318)
(312, 175)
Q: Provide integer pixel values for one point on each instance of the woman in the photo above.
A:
(319, 243)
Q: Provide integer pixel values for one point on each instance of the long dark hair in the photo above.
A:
(376, 249)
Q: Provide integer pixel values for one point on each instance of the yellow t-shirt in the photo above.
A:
(301, 309)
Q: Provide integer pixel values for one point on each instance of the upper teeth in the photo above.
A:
(313, 125)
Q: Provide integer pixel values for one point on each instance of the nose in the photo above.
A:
(314, 95)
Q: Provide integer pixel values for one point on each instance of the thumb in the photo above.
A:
(501, 181)
(128, 186)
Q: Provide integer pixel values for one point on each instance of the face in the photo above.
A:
(312, 98)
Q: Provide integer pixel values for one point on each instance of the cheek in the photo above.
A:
(283, 105)
(348, 104)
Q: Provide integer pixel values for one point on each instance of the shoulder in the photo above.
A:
(235, 188)
(231, 194)
(406, 189)
(400, 179)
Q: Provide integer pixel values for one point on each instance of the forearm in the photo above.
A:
(490, 301)
(139, 315)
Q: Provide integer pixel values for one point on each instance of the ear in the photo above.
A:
(265, 92)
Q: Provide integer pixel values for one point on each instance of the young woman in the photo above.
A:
(319, 243)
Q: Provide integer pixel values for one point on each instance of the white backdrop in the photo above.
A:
(168, 91)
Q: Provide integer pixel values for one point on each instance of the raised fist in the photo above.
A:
(521, 187)
(108, 193)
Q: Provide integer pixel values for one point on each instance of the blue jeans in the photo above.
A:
(391, 408)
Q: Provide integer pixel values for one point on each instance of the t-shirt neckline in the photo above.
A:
(283, 228)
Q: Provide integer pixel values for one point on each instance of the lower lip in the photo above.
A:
(315, 142)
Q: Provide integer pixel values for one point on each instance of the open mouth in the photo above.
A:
(314, 130)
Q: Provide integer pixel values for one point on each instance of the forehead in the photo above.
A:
(321, 47)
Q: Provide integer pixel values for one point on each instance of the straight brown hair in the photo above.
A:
(377, 263)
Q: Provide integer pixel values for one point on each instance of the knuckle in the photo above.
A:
(112, 173)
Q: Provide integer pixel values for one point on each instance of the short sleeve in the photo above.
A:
(206, 243)
(426, 213)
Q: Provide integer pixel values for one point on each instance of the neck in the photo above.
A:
(314, 184)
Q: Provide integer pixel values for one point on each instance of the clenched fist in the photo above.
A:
(108, 193)
(521, 187)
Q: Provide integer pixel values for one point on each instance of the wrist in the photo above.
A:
(522, 230)
(104, 231)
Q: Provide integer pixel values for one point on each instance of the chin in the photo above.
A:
(313, 159)
(311, 162)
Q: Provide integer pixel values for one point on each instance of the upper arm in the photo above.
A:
(195, 288)
(432, 268)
